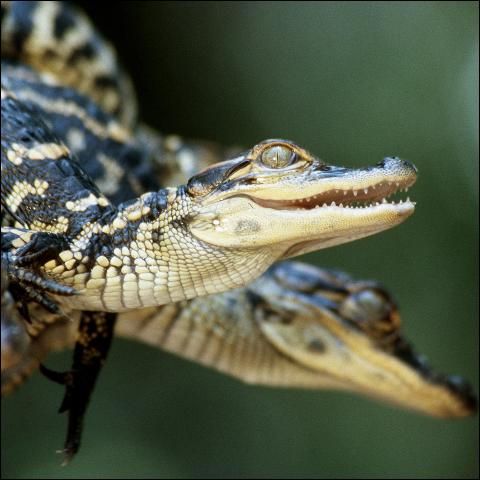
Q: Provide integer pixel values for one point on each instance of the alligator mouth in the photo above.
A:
(371, 196)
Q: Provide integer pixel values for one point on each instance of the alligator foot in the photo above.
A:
(91, 349)
(23, 266)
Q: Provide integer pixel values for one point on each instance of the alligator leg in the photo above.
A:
(23, 266)
(91, 349)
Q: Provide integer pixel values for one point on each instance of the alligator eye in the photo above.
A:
(278, 157)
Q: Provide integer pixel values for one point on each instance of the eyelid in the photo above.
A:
(291, 166)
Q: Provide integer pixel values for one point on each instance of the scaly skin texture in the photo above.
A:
(81, 238)
(220, 231)
(297, 326)
(62, 42)
(147, 252)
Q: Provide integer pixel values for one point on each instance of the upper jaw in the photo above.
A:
(326, 186)
(318, 185)
(322, 206)
(279, 174)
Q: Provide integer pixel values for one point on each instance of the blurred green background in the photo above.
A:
(352, 82)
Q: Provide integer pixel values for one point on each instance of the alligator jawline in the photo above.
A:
(362, 198)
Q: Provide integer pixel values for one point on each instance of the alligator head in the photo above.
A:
(345, 334)
(278, 195)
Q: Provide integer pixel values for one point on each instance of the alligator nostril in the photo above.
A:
(410, 165)
(393, 160)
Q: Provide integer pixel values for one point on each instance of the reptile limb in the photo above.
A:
(95, 335)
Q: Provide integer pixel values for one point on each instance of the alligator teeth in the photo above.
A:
(384, 200)
(333, 204)
(365, 190)
(355, 193)
(344, 192)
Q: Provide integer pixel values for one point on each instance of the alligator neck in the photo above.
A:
(148, 257)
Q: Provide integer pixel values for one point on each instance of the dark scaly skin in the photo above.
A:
(66, 172)
(130, 183)
(383, 331)
(136, 177)
(131, 173)
(95, 334)
(219, 231)
(35, 149)
(40, 34)
(96, 329)
(109, 85)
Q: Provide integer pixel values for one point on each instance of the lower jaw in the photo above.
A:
(361, 229)
(307, 247)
